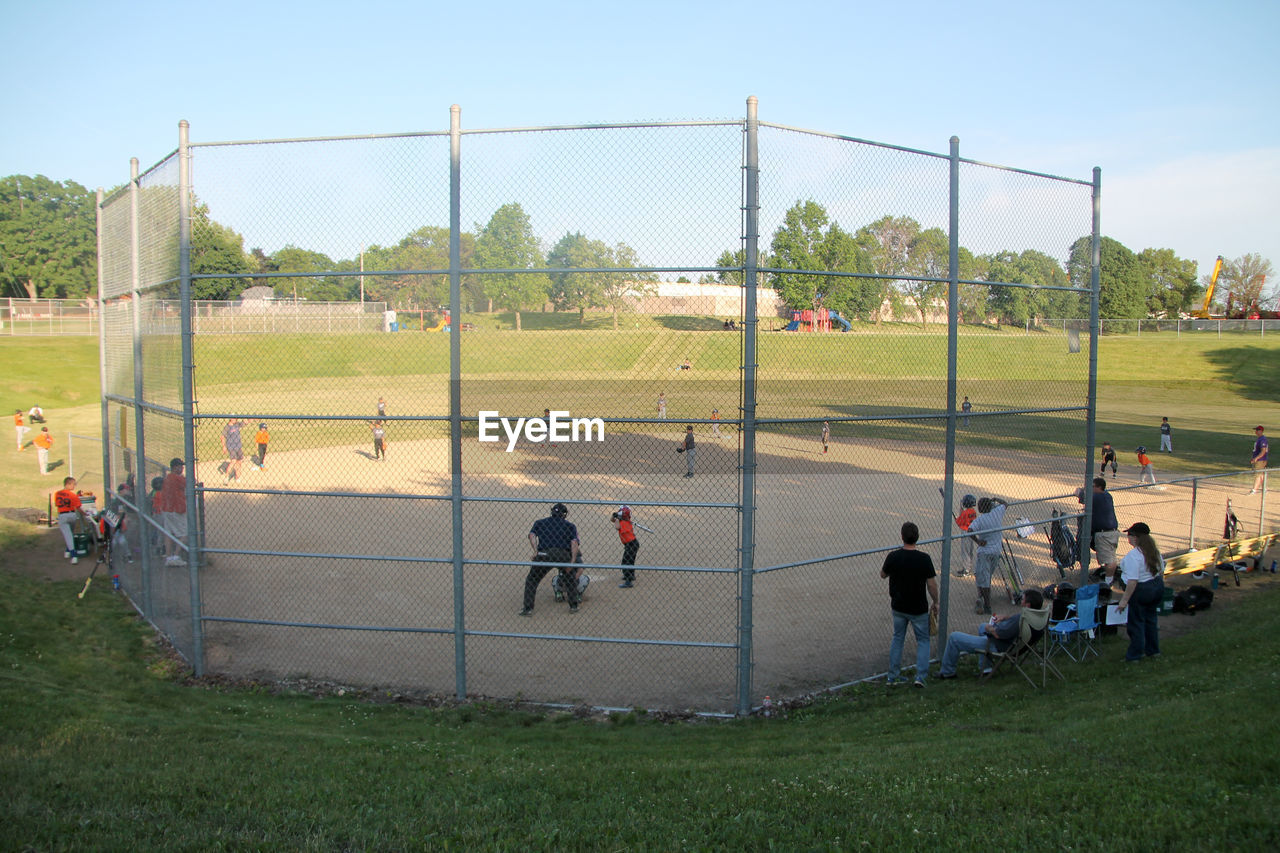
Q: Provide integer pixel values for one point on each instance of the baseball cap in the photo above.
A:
(1258, 427)
(1139, 529)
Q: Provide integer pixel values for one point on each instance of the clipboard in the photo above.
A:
(1114, 617)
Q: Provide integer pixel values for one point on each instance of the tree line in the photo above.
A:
(48, 249)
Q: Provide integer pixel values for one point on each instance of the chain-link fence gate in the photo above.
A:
(358, 503)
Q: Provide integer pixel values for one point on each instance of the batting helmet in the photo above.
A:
(1142, 448)
(624, 512)
(559, 510)
(968, 501)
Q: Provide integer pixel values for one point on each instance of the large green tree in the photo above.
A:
(1122, 288)
(508, 242)
(887, 244)
(599, 288)
(215, 248)
(48, 240)
(404, 287)
(1171, 282)
(329, 288)
(809, 242)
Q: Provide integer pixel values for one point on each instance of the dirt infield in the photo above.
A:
(387, 618)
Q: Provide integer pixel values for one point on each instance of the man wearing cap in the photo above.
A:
(1106, 530)
(1259, 460)
(172, 506)
(555, 546)
(986, 532)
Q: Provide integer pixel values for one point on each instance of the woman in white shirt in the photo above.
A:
(1142, 571)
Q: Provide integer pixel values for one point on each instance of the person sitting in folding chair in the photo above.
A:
(1002, 631)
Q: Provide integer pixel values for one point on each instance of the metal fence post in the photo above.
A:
(1086, 525)
(953, 346)
(746, 551)
(140, 467)
(188, 386)
(455, 395)
(102, 365)
(1191, 532)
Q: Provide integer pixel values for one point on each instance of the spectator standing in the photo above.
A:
(43, 442)
(1166, 436)
(911, 575)
(1106, 530)
(1259, 459)
(1142, 571)
(172, 504)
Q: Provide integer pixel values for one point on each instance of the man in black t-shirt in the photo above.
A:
(911, 576)
(555, 546)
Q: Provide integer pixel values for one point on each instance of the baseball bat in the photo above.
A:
(89, 580)
(642, 527)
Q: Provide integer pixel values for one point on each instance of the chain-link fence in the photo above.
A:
(367, 507)
(48, 317)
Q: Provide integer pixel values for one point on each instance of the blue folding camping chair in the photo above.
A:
(1076, 634)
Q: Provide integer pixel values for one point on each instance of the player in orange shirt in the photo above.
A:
(22, 428)
(67, 504)
(43, 442)
(261, 438)
(968, 513)
(1147, 474)
(630, 546)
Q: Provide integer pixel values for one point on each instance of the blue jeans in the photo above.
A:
(1143, 623)
(921, 625)
(961, 643)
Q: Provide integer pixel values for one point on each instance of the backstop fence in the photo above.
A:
(358, 505)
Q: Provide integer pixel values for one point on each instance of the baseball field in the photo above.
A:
(358, 585)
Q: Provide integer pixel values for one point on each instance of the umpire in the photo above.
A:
(555, 546)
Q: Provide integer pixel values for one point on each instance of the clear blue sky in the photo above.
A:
(1176, 101)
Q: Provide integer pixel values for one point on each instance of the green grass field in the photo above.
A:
(108, 747)
(1213, 389)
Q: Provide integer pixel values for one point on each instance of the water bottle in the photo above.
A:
(1273, 567)
(766, 708)
(1214, 583)
(115, 581)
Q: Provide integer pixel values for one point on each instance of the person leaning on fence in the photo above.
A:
(990, 540)
(911, 574)
(555, 546)
(1001, 631)
(1142, 571)
(173, 511)
(1106, 531)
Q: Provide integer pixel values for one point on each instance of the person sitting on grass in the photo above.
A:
(1000, 631)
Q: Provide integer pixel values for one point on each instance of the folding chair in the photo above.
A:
(1076, 634)
(1030, 651)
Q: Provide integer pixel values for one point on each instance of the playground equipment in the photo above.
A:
(442, 325)
(803, 321)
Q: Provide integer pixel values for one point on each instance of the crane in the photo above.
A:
(1203, 313)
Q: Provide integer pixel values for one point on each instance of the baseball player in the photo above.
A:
(826, 435)
(1108, 455)
(968, 512)
(630, 545)
(688, 449)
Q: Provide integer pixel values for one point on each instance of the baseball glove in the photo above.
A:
(679, 450)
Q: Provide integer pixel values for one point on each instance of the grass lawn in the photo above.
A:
(105, 746)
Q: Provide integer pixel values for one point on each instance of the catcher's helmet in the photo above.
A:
(968, 501)
(1142, 448)
(559, 510)
(623, 512)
